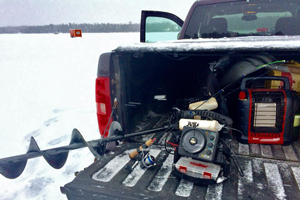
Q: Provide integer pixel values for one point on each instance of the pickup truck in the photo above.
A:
(219, 43)
(222, 57)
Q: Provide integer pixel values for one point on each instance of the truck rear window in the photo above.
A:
(236, 19)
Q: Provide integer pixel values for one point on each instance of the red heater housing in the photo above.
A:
(266, 115)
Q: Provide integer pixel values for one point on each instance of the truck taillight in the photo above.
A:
(103, 102)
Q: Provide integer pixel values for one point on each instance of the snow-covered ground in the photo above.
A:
(47, 89)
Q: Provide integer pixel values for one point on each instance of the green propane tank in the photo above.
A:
(296, 127)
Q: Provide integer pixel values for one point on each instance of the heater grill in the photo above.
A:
(265, 115)
(267, 112)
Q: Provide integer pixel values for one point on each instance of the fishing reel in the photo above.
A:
(143, 156)
(147, 161)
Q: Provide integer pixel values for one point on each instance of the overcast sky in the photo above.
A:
(44, 12)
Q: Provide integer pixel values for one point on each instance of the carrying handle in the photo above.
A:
(285, 80)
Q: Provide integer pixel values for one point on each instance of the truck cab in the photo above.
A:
(219, 19)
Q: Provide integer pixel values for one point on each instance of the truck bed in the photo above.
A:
(271, 172)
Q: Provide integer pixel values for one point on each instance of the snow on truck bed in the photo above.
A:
(271, 172)
(277, 43)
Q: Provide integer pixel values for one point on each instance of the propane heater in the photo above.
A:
(266, 115)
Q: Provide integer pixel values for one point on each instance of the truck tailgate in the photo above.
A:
(271, 172)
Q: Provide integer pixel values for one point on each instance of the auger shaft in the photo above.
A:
(12, 167)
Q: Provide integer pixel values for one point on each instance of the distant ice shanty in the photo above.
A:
(75, 33)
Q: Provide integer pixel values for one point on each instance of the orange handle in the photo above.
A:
(135, 152)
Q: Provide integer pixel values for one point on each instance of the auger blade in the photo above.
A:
(12, 169)
(33, 147)
(77, 138)
(55, 160)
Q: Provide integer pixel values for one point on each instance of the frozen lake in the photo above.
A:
(47, 88)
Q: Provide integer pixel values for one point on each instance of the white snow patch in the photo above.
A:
(255, 148)
(214, 192)
(162, 176)
(205, 44)
(266, 151)
(289, 153)
(248, 174)
(47, 89)
(138, 172)
(274, 180)
(257, 166)
(184, 188)
(106, 173)
(221, 179)
(247, 179)
(296, 172)
(260, 186)
(243, 149)
(285, 169)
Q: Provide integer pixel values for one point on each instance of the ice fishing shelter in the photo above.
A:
(75, 33)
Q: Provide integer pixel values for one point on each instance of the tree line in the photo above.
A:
(65, 28)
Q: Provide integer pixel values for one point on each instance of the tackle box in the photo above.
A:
(197, 168)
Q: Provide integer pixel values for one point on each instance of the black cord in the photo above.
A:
(237, 130)
(234, 129)
(234, 158)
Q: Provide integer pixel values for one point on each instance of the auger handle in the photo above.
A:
(144, 146)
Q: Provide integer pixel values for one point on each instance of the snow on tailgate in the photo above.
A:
(112, 167)
(223, 44)
(275, 181)
(138, 172)
(163, 175)
(184, 188)
(296, 172)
